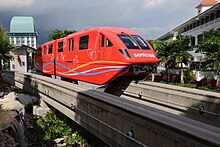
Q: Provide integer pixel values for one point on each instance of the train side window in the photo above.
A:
(103, 41)
(108, 43)
(50, 49)
(45, 50)
(71, 45)
(39, 51)
(60, 46)
(84, 42)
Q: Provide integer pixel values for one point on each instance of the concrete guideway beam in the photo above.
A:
(113, 119)
(193, 103)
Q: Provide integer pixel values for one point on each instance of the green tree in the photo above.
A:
(55, 34)
(180, 46)
(210, 46)
(164, 53)
(5, 47)
(173, 53)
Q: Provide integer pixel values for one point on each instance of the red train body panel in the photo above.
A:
(97, 55)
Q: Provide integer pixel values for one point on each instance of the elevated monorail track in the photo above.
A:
(195, 104)
(112, 118)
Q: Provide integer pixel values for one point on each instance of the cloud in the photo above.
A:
(149, 32)
(149, 18)
(154, 3)
(12, 4)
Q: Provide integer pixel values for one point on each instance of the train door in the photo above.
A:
(48, 58)
(101, 46)
(60, 63)
(71, 59)
(38, 63)
(105, 48)
(87, 52)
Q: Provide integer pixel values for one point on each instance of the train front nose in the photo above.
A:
(143, 61)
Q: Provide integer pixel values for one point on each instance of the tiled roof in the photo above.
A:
(207, 3)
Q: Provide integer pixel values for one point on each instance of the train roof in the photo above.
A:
(114, 30)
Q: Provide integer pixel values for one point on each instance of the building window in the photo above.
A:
(198, 23)
(212, 16)
(192, 41)
(84, 42)
(13, 66)
(187, 28)
(60, 46)
(206, 19)
(218, 14)
(202, 21)
(194, 25)
(200, 38)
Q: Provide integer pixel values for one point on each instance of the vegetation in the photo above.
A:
(50, 127)
(180, 46)
(210, 46)
(5, 47)
(173, 53)
(55, 34)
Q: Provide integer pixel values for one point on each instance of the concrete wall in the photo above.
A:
(19, 63)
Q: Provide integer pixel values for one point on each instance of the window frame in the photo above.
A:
(127, 43)
(109, 43)
(71, 44)
(141, 42)
(84, 44)
(60, 47)
(50, 48)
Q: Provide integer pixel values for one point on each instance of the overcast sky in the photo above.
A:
(150, 18)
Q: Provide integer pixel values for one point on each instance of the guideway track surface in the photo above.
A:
(192, 103)
(151, 127)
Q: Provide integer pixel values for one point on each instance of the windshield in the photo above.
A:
(130, 44)
(141, 42)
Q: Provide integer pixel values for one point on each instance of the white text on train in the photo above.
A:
(144, 55)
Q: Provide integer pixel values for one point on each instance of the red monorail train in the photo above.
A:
(96, 56)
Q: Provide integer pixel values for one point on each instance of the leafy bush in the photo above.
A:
(52, 126)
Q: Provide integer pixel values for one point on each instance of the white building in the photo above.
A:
(23, 35)
(208, 17)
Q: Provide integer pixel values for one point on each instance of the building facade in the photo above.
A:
(208, 17)
(23, 35)
(22, 31)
